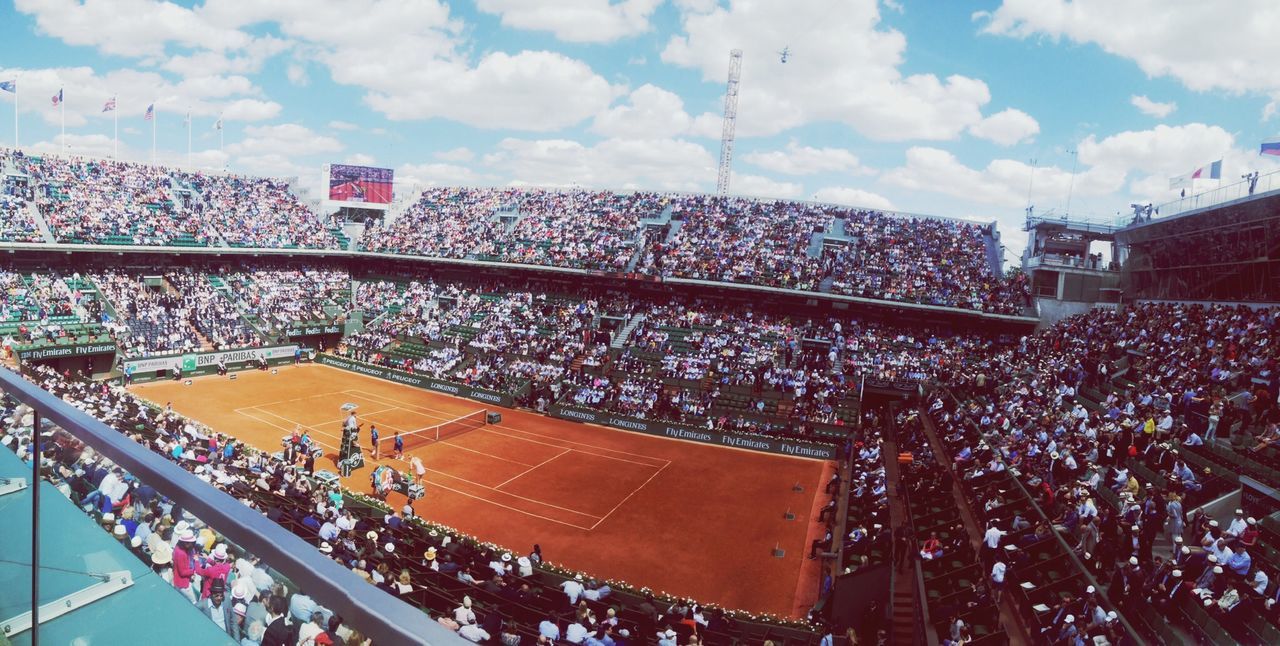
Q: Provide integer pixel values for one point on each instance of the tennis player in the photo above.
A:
(373, 438)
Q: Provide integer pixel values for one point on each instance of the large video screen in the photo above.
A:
(360, 184)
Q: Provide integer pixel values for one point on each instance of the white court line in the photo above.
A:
(295, 399)
(459, 446)
(334, 421)
(624, 500)
(409, 406)
(491, 502)
(472, 482)
(591, 453)
(532, 468)
(520, 430)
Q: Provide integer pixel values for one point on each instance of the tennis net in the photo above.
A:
(431, 434)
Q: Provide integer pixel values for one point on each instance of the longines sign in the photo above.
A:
(682, 432)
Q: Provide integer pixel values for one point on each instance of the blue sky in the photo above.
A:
(926, 107)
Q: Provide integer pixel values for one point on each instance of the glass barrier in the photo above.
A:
(145, 535)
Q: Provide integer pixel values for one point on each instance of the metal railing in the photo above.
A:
(1072, 262)
(381, 616)
(1221, 195)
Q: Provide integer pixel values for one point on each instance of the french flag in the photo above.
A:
(57, 98)
(1214, 169)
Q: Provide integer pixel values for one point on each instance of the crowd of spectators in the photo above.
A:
(258, 212)
(111, 202)
(171, 314)
(444, 223)
(742, 240)
(1101, 416)
(151, 320)
(16, 223)
(284, 298)
(509, 336)
(579, 229)
(774, 243)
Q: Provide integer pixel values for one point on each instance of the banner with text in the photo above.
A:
(61, 351)
(682, 432)
(209, 360)
(420, 381)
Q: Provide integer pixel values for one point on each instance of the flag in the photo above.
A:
(187, 120)
(9, 86)
(1268, 147)
(151, 113)
(1181, 181)
(57, 98)
(1214, 170)
(217, 125)
(109, 105)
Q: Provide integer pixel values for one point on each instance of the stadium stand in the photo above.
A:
(1064, 485)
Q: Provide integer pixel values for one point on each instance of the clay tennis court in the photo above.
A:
(680, 517)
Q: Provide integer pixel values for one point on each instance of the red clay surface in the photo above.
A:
(680, 517)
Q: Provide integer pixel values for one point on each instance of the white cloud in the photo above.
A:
(297, 74)
(250, 110)
(576, 21)
(133, 28)
(287, 139)
(104, 147)
(342, 125)
(1169, 150)
(85, 92)
(423, 175)
(1003, 182)
(536, 91)
(460, 154)
(1204, 45)
(655, 113)
(1152, 108)
(1006, 128)
(427, 70)
(844, 68)
(663, 164)
(247, 60)
(360, 159)
(760, 186)
(1153, 156)
(853, 197)
(807, 160)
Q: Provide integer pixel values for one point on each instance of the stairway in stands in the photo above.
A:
(902, 621)
(205, 344)
(624, 333)
(41, 224)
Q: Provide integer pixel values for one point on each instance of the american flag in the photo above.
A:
(151, 113)
(109, 105)
(57, 98)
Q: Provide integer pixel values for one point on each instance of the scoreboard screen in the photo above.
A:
(360, 184)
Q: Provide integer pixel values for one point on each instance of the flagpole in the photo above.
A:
(188, 139)
(62, 109)
(115, 110)
(155, 116)
(15, 112)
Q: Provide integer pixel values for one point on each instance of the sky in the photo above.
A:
(960, 109)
